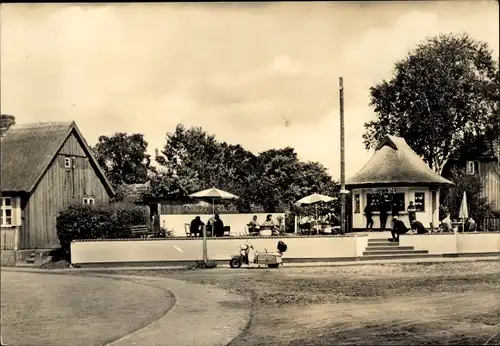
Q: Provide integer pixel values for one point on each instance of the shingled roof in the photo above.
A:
(28, 149)
(396, 164)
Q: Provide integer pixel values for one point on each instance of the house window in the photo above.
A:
(420, 201)
(472, 167)
(357, 204)
(88, 201)
(6, 216)
(67, 162)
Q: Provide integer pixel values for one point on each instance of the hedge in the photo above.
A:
(99, 222)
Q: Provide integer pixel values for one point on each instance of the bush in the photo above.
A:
(98, 222)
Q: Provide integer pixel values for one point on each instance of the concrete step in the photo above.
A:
(379, 240)
(396, 256)
(393, 252)
(388, 247)
(388, 243)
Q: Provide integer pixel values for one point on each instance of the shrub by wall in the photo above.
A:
(99, 222)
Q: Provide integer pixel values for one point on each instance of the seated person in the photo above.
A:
(217, 226)
(398, 228)
(269, 223)
(446, 225)
(419, 227)
(471, 225)
(196, 226)
(253, 225)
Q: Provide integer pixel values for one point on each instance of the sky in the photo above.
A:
(236, 69)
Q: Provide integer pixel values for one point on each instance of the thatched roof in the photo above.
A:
(396, 164)
(28, 149)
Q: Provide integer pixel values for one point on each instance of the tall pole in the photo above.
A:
(342, 158)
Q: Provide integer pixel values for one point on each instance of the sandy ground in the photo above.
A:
(53, 310)
(446, 303)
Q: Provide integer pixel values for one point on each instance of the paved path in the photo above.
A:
(201, 316)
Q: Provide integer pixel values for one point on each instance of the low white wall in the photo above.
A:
(436, 244)
(453, 243)
(236, 221)
(116, 251)
(474, 242)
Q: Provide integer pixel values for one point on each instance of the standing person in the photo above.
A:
(412, 213)
(369, 216)
(156, 223)
(384, 209)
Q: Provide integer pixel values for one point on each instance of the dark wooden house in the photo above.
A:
(482, 158)
(45, 167)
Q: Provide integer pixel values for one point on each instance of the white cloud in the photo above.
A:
(237, 72)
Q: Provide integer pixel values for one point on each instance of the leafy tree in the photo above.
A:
(479, 207)
(192, 160)
(123, 157)
(444, 91)
(6, 121)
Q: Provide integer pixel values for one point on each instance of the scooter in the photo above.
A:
(248, 256)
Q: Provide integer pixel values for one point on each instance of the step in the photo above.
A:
(400, 256)
(378, 240)
(387, 243)
(394, 252)
(388, 247)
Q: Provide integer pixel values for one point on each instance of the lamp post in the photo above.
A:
(342, 158)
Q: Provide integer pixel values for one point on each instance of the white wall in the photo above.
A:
(436, 244)
(426, 217)
(236, 221)
(115, 251)
(453, 243)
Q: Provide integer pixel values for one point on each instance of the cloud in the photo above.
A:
(235, 70)
(284, 65)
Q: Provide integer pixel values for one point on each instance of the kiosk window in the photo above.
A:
(420, 201)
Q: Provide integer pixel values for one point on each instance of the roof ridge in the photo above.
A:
(41, 124)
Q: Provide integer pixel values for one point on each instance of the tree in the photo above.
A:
(6, 121)
(479, 207)
(192, 160)
(124, 158)
(444, 91)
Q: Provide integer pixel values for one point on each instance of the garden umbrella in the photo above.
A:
(213, 193)
(464, 210)
(315, 199)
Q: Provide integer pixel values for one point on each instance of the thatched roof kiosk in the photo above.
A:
(399, 175)
(396, 164)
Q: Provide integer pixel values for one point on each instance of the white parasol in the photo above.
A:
(315, 198)
(211, 193)
(464, 210)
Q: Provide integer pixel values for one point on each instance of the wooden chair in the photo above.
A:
(187, 229)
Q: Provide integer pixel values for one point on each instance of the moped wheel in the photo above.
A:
(273, 265)
(235, 263)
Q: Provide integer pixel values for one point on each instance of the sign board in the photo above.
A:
(387, 190)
